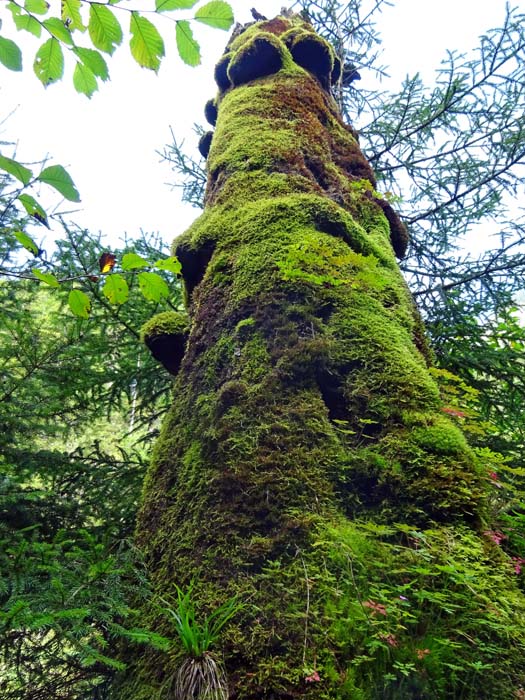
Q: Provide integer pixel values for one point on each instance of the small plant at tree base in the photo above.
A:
(201, 676)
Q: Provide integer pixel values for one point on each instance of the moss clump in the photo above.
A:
(262, 55)
(306, 465)
(165, 336)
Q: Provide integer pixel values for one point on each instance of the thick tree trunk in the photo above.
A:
(306, 465)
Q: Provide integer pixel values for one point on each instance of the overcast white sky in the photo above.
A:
(109, 143)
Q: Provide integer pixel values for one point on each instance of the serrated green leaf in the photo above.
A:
(49, 62)
(15, 10)
(104, 28)
(79, 303)
(36, 7)
(57, 177)
(71, 15)
(26, 241)
(26, 22)
(131, 261)
(188, 48)
(57, 28)
(33, 208)
(46, 277)
(146, 44)
(10, 54)
(216, 14)
(84, 80)
(152, 286)
(166, 5)
(170, 264)
(16, 170)
(94, 61)
(116, 289)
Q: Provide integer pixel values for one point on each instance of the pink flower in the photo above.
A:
(313, 677)
(495, 535)
(389, 639)
(518, 562)
(375, 607)
(495, 479)
(421, 653)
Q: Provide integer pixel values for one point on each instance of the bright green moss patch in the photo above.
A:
(166, 323)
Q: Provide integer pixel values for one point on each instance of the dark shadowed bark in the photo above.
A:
(307, 465)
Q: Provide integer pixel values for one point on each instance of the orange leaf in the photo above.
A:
(106, 262)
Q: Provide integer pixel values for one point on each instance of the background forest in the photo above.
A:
(82, 400)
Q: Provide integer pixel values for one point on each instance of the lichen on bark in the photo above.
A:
(306, 465)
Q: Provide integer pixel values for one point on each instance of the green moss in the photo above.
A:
(166, 323)
(306, 464)
(441, 437)
(166, 335)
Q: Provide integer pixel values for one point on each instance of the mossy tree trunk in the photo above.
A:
(306, 464)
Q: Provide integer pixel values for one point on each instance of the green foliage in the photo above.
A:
(216, 13)
(55, 176)
(197, 637)
(114, 286)
(76, 420)
(10, 54)
(99, 22)
(188, 48)
(79, 303)
(116, 289)
(147, 45)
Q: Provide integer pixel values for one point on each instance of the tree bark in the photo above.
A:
(306, 465)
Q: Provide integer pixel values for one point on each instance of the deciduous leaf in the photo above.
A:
(171, 264)
(49, 62)
(189, 49)
(146, 44)
(23, 21)
(58, 29)
(116, 289)
(46, 277)
(104, 28)
(84, 81)
(166, 5)
(33, 208)
(94, 61)
(10, 54)
(26, 241)
(216, 14)
(79, 303)
(16, 169)
(71, 15)
(106, 262)
(152, 286)
(131, 261)
(36, 7)
(57, 177)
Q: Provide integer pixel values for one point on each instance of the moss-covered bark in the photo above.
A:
(306, 465)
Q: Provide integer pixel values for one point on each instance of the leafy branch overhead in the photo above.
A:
(56, 176)
(100, 24)
(115, 286)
